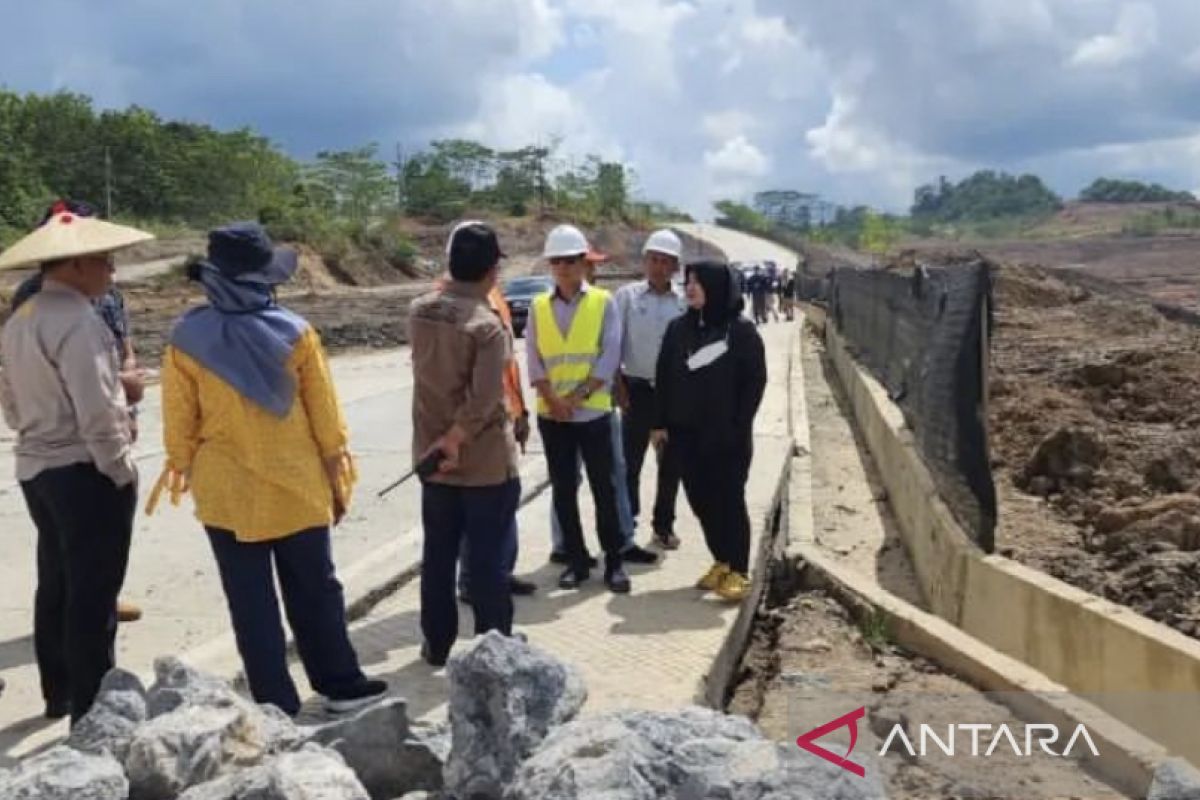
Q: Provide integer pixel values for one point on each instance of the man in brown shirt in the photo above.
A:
(460, 350)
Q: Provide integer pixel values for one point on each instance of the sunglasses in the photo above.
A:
(564, 261)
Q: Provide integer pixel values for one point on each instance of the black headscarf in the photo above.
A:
(722, 293)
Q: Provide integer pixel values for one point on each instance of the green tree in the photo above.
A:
(741, 217)
(879, 233)
(611, 194)
(355, 182)
(983, 196)
(1110, 190)
(467, 162)
(22, 191)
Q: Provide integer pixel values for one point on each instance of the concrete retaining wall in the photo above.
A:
(1143, 673)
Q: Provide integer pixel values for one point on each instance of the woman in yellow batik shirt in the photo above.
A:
(252, 427)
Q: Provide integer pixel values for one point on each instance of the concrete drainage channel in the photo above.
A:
(811, 614)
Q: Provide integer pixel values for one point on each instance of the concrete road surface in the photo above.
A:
(171, 571)
(739, 246)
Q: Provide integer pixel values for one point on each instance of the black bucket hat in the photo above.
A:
(244, 253)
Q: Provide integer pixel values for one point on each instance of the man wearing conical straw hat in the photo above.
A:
(61, 391)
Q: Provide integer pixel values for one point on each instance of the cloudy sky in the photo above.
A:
(859, 100)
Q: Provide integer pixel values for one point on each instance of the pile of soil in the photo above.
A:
(346, 318)
(1095, 431)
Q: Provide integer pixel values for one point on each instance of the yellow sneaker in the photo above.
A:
(128, 612)
(712, 579)
(734, 587)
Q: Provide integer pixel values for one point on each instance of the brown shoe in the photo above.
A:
(128, 612)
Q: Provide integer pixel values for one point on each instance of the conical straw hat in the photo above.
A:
(67, 235)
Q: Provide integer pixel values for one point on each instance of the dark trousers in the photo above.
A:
(639, 421)
(509, 558)
(84, 525)
(315, 607)
(484, 517)
(760, 307)
(715, 482)
(564, 443)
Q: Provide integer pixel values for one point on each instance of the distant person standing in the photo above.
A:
(711, 375)
(647, 307)
(253, 428)
(61, 391)
(787, 295)
(760, 288)
(573, 344)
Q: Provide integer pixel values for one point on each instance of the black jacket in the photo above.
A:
(716, 403)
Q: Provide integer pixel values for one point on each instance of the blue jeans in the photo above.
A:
(624, 508)
(483, 516)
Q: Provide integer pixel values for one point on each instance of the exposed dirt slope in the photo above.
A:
(1095, 428)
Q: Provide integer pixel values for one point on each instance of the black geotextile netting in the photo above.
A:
(924, 336)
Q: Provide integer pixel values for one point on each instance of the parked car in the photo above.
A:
(519, 292)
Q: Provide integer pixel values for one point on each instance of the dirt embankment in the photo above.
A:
(1095, 430)
(356, 302)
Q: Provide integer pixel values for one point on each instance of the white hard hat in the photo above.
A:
(565, 241)
(664, 241)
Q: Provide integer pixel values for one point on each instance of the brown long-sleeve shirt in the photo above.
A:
(460, 350)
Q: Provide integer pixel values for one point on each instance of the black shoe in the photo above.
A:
(616, 580)
(521, 588)
(557, 557)
(363, 693)
(572, 578)
(58, 709)
(429, 658)
(666, 539)
(637, 555)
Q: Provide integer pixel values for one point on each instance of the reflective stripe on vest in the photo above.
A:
(569, 360)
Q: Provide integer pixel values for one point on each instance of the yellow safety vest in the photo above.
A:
(569, 361)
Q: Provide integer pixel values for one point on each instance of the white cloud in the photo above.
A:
(737, 158)
(526, 108)
(1136, 33)
(767, 32)
(725, 125)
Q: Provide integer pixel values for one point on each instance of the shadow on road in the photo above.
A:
(16, 652)
(13, 735)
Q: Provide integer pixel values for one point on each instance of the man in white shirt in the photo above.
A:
(647, 308)
(61, 391)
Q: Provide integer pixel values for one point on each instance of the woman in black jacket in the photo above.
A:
(712, 372)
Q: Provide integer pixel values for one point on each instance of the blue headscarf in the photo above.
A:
(243, 337)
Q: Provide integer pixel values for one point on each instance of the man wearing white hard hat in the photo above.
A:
(573, 344)
(61, 391)
(647, 308)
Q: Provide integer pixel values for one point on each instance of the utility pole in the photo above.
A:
(401, 163)
(107, 183)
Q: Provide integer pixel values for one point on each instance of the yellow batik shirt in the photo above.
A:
(261, 476)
